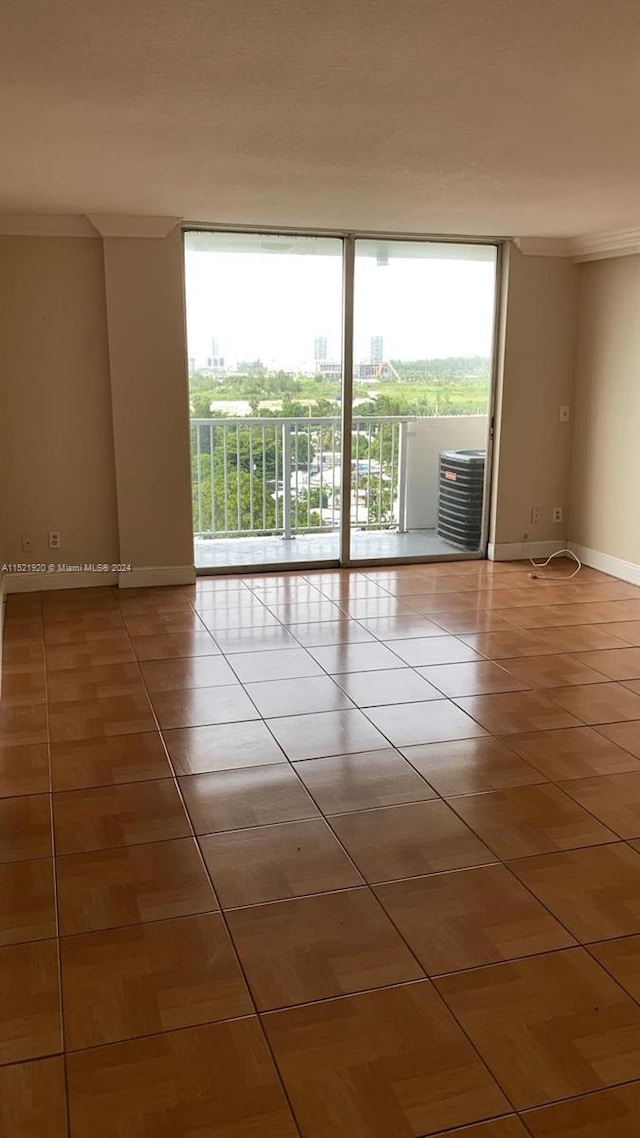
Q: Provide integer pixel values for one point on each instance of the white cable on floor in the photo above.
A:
(548, 576)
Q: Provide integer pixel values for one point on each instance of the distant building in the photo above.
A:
(376, 353)
(320, 348)
(215, 362)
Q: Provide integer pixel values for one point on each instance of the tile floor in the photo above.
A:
(323, 855)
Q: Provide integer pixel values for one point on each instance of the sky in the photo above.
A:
(427, 301)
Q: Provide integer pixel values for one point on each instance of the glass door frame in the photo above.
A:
(349, 239)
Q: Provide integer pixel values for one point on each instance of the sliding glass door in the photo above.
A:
(264, 335)
(421, 395)
(340, 394)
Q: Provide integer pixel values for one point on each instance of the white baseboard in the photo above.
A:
(145, 576)
(44, 582)
(521, 550)
(149, 575)
(606, 563)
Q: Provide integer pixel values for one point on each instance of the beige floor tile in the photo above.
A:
(123, 815)
(279, 664)
(598, 703)
(307, 695)
(509, 1127)
(511, 712)
(475, 678)
(32, 1100)
(345, 783)
(621, 958)
(616, 663)
(96, 718)
(193, 672)
(310, 948)
(317, 634)
(196, 1082)
(25, 828)
(270, 863)
(395, 685)
(114, 649)
(431, 650)
(390, 628)
(227, 746)
(574, 753)
(100, 762)
(146, 978)
(337, 659)
(526, 820)
(467, 766)
(30, 1025)
(548, 1026)
(241, 641)
(471, 917)
(629, 631)
(581, 638)
(407, 841)
(595, 892)
(131, 884)
(172, 645)
(614, 799)
(605, 1114)
(100, 681)
(23, 725)
(625, 735)
(504, 644)
(251, 796)
(409, 724)
(27, 901)
(202, 707)
(23, 688)
(554, 671)
(327, 733)
(385, 1064)
(24, 769)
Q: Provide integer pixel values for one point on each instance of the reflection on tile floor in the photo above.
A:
(322, 854)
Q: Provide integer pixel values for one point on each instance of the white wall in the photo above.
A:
(56, 439)
(94, 409)
(426, 438)
(605, 479)
(536, 375)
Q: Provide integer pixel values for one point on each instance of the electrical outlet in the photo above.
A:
(27, 543)
(565, 413)
(557, 514)
(536, 514)
(54, 539)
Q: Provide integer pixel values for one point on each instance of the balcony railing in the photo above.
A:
(266, 476)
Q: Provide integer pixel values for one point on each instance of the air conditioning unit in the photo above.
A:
(460, 497)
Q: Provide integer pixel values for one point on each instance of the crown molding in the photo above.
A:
(594, 247)
(115, 225)
(46, 225)
(624, 243)
(544, 246)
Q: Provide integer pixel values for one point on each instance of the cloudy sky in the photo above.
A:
(268, 298)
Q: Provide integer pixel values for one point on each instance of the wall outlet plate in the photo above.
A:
(54, 539)
(565, 413)
(557, 513)
(536, 514)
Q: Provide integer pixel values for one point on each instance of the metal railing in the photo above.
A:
(267, 476)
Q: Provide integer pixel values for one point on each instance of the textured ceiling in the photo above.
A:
(449, 116)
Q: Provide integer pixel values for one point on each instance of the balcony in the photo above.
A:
(268, 490)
